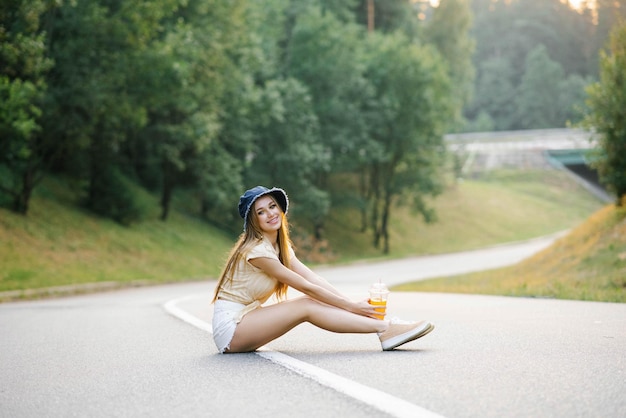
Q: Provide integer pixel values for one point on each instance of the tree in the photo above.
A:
(538, 94)
(218, 168)
(609, 14)
(572, 98)
(186, 86)
(410, 114)
(497, 93)
(448, 30)
(388, 15)
(245, 57)
(606, 103)
(508, 31)
(327, 56)
(546, 97)
(287, 149)
(96, 93)
(24, 64)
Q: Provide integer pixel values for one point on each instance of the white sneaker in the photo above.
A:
(401, 332)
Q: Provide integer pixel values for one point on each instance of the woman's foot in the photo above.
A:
(401, 332)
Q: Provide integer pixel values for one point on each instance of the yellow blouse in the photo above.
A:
(248, 284)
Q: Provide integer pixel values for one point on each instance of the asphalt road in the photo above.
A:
(148, 352)
(409, 269)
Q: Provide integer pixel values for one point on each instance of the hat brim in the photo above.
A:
(279, 196)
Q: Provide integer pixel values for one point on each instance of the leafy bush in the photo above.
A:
(114, 196)
(607, 100)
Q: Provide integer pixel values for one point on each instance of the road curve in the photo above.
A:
(409, 269)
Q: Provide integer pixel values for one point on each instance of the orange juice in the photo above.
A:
(383, 306)
(378, 297)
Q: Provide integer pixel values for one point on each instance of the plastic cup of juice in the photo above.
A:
(378, 298)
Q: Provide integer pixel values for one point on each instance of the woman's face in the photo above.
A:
(268, 213)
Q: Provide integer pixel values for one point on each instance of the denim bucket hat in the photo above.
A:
(251, 195)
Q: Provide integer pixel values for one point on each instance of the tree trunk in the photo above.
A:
(99, 163)
(375, 190)
(204, 208)
(166, 191)
(364, 198)
(370, 15)
(22, 199)
(318, 227)
(384, 223)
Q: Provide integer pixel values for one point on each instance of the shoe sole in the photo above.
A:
(404, 338)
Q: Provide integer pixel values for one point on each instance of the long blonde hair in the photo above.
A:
(247, 240)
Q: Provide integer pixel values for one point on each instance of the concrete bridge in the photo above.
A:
(566, 149)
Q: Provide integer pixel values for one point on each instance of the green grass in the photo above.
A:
(587, 264)
(60, 244)
(502, 206)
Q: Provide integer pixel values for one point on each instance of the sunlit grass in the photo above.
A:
(502, 206)
(587, 264)
(59, 244)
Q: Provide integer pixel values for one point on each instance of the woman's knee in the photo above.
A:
(311, 307)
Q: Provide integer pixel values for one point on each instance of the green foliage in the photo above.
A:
(249, 60)
(508, 34)
(572, 98)
(607, 101)
(546, 97)
(448, 31)
(23, 66)
(212, 96)
(497, 92)
(328, 57)
(287, 150)
(19, 117)
(116, 197)
(538, 98)
(412, 108)
(389, 16)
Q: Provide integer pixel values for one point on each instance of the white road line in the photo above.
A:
(172, 308)
(382, 401)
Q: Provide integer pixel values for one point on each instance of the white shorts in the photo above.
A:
(225, 318)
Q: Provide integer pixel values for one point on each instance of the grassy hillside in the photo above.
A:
(60, 244)
(501, 206)
(587, 264)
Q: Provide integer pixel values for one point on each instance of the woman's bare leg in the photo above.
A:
(268, 323)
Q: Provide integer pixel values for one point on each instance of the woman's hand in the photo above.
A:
(364, 308)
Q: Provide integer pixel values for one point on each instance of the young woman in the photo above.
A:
(262, 264)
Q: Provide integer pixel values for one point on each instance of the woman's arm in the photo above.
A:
(307, 273)
(276, 269)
